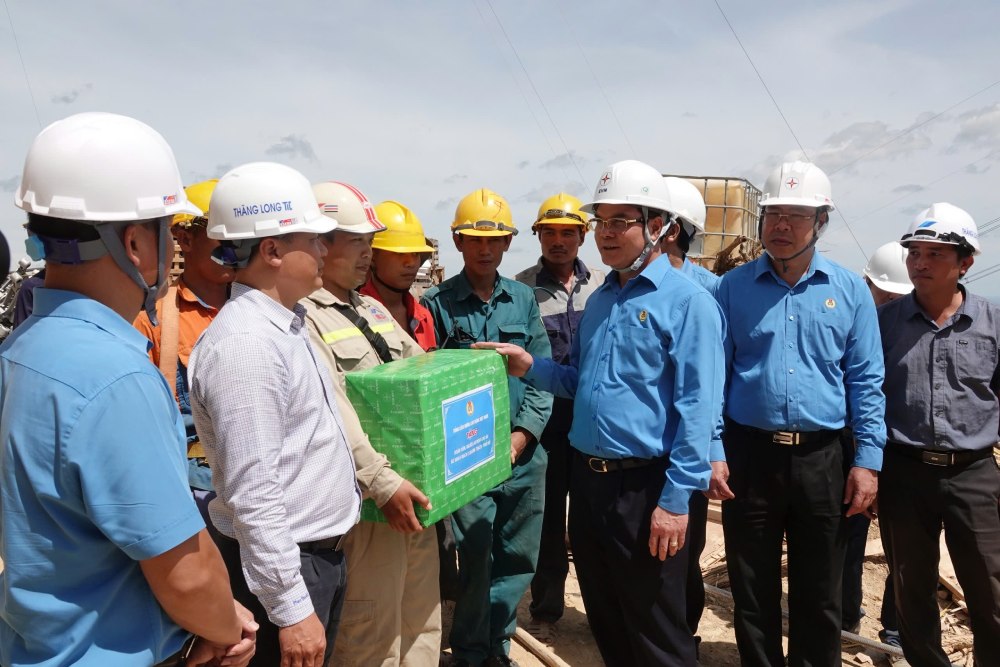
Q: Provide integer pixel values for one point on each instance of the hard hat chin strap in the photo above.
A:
(110, 235)
(651, 242)
(809, 246)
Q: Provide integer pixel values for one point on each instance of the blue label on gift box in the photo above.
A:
(468, 432)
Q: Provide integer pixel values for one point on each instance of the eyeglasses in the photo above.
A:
(485, 226)
(613, 225)
(558, 213)
(774, 217)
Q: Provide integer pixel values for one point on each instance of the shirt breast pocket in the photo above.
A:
(825, 337)
(975, 358)
(351, 353)
(640, 353)
(515, 334)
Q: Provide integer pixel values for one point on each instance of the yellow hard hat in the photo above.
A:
(198, 194)
(561, 209)
(403, 231)
(483, 213)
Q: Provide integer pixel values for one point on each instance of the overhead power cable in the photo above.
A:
(541, 101)
(784, 118)
(20, 56)
(914, 127)
(593, 75)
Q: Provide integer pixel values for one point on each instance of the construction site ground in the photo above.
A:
(573, 644)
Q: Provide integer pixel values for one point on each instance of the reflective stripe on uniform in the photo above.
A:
(331, 337)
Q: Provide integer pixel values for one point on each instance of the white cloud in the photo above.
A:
(979, 128)
(69, 97)
(292, 146)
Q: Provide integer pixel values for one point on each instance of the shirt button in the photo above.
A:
(791, 370)
(791, 317)
(937, 386)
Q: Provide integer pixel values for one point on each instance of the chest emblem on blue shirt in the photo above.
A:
(830, 303)
(469, 408)
(643, 315)
(378, 314)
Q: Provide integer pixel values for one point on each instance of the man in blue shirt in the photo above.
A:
(106, 558)
(688, 207)
(942, 377)
(804, 362)
(498, 533)
(562, 285)
(646, 373)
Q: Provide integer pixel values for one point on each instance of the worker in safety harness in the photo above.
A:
(186, 310)
(392, 610)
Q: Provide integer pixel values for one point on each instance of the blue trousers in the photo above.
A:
(497, 536)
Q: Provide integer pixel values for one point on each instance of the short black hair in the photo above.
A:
(59, 228)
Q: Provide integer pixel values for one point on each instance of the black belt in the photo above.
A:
(937, 457)
(615, 465)
(334, 543)
(329, 544)
(791, 438)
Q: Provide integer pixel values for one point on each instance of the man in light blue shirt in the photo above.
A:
(804, 361)
(646, 374)
(689, 210)
(106, 558)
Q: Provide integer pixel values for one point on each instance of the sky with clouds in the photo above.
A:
(898, 101)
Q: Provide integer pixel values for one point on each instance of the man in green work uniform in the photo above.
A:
(498, 533)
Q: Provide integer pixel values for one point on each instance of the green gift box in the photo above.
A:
(443, 421)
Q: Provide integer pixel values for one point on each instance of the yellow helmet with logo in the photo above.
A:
(483, 213)
(198, 194)
(561, 209)
(403, 231)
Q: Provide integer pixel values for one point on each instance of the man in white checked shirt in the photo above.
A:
(266, 413)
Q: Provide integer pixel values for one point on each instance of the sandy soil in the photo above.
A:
(574, 644)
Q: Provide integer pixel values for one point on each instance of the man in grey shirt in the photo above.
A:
(942, 376)
(266, 412)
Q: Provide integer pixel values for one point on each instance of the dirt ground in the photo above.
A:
(574, 645)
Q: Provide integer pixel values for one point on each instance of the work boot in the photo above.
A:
(500, 661)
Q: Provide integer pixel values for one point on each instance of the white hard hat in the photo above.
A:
(944, 223)
(687, 204)
(101, 167)
(630, 182)
(353, 211)
(887, 269)
(798, 184)
(262, 199)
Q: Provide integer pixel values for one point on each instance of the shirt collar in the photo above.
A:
(970, 308)
(281, 317)
(73, 305)
(324, 297)
(818, 263)
(580, 272)
(187, 295)
(409, 302)
(463, 288)
(652, 273)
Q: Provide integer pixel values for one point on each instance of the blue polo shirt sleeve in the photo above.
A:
(130, 428)
(536, 407)
(695, 348)
(559, 379)
(864, 373)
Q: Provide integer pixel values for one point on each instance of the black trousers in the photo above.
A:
(697, 525)
(635, 603)
(915, 501)
(794, 493)
(325, 575)
(548, 587)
